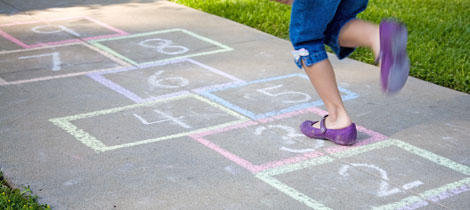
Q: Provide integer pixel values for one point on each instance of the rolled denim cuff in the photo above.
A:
(307, 57)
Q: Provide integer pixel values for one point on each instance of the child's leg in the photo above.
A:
(353, 34)
(311, 21)
(387, 41)
(322, 77)
(313, 24)
(358, 33)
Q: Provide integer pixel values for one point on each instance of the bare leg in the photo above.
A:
(323, 79)
(354, 34)
(358, 33)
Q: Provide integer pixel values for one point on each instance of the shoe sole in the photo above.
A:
(395, 66)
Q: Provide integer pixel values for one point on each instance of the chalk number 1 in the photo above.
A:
(55, 56)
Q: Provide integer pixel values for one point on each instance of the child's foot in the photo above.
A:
(394, 61)
(344, 136)
(334, 124)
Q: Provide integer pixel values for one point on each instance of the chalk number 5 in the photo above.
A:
(271, 91)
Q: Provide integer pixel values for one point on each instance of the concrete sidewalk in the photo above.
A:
(152, 105)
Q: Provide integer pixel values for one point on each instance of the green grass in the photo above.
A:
(439, 31)
(14, 199)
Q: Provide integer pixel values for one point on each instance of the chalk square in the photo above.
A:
(57, 31)
(420, 196)
(164, 79)
(283, 94)
(160, 46)
(280, 139)
(156, 121)
(52, 62)
(401, 167)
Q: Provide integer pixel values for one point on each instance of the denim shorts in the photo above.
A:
(315, 23)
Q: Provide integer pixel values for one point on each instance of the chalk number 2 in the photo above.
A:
(384, 188)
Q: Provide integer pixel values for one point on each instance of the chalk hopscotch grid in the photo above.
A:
(267, 171)
(100, 77)
(66, 124)
(120, 64)
(199, 137)
(102, 46)
(117, 32)
(411, 202)
(210, 94)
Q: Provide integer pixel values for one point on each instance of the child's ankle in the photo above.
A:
(338, 122)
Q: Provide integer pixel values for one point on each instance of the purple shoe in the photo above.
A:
(395, 64)
(345, 136)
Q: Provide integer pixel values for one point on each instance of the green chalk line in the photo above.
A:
(267, 176)
(291, 192)
(114, 53)
(296, 166)
(90, 141)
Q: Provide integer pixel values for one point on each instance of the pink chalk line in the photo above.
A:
(24, 45)
(228, 128)
(119, 31)
(248, 165)
(13, 39)
(54, 43)
(287, 161)
(236, 159)
(374, 137)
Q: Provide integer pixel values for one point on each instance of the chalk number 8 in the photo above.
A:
(164, 46)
